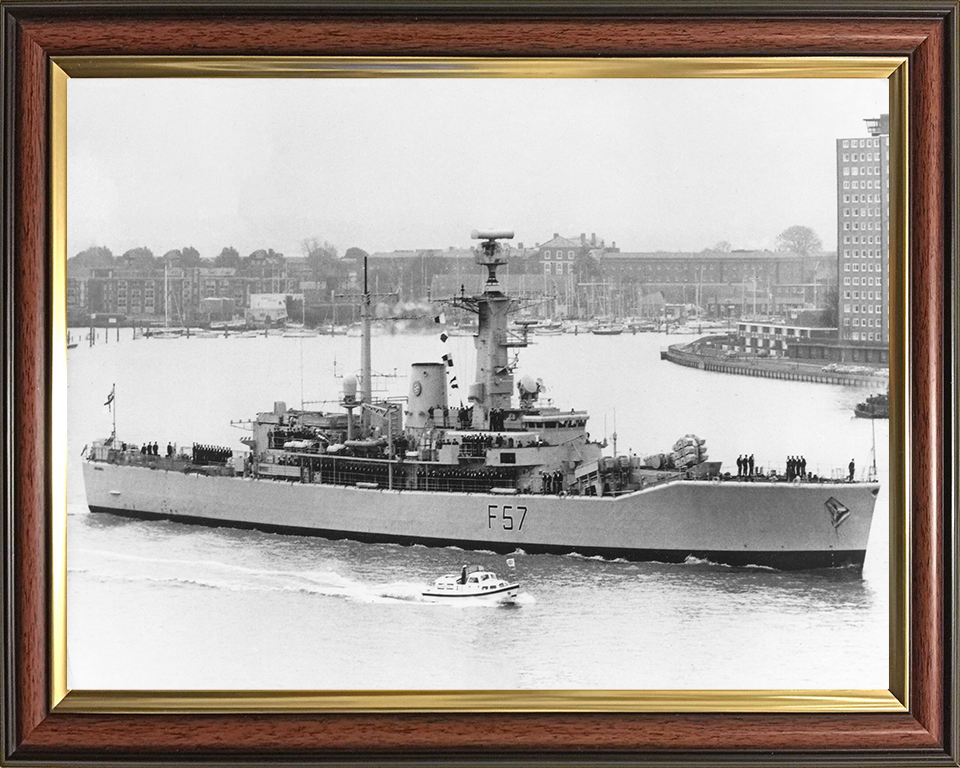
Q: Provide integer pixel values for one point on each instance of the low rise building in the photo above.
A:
(775, 339)
(268, 308)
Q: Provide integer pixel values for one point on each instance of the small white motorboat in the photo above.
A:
(474, 583)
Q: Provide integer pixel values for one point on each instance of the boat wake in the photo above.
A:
(691, 560)
(598, 558)
(524, 598)
(212, 574)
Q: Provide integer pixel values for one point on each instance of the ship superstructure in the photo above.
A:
(502, 472)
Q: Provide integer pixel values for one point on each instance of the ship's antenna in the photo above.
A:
(873, 449)
(614, 431)
(366, 384)
(112, 405)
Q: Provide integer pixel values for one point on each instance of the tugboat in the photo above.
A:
(474, 584)
(504, 472)
(874, 407)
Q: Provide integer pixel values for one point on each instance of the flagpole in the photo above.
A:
(113, 402)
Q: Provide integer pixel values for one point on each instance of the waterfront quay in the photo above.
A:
(706, 359)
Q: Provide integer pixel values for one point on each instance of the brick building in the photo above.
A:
(724, 284)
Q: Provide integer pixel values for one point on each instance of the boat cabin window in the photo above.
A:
(472, 580)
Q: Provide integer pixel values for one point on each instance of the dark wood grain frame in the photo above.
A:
(925, 32)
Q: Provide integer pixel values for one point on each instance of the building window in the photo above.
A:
(846, 143)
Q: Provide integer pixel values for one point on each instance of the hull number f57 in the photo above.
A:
(508, 516)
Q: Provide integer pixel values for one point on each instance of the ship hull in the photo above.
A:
(778, 525)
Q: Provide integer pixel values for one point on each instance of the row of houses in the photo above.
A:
(569, 276)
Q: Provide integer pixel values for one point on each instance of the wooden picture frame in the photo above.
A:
(35, 34)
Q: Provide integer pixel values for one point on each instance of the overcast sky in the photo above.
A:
(384, 164)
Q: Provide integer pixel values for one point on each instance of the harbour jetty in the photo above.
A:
(788, 370)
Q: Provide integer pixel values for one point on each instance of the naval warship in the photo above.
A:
(506, 472)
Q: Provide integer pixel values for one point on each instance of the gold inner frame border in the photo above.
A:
(894, 699)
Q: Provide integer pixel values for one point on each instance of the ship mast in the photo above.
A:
(366, 371)
(366, 367)
(494, 383)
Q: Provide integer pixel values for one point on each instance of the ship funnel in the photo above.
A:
(427, 395)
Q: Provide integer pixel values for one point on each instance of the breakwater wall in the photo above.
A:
(788, 371)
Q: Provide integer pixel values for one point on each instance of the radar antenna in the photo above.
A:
(489, 254)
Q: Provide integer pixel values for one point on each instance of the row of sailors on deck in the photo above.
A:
(479, 475)
(462, 417)
(551, 482)
(796, 467)
(210, 453)
(489, 441)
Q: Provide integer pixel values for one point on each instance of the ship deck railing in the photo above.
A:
(392, 474)
(175, 463)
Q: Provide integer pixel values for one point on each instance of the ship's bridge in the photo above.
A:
(555, 419)
(557, 427)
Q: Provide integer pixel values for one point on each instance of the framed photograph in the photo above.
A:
(557, 384)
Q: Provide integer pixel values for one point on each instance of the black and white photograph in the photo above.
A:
(478, 384)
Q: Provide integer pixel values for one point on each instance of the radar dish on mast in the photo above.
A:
(491, 234)
(488, 255)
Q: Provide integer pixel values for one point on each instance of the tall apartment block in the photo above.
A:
(863, 230)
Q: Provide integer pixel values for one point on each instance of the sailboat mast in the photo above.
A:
(166, 295)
